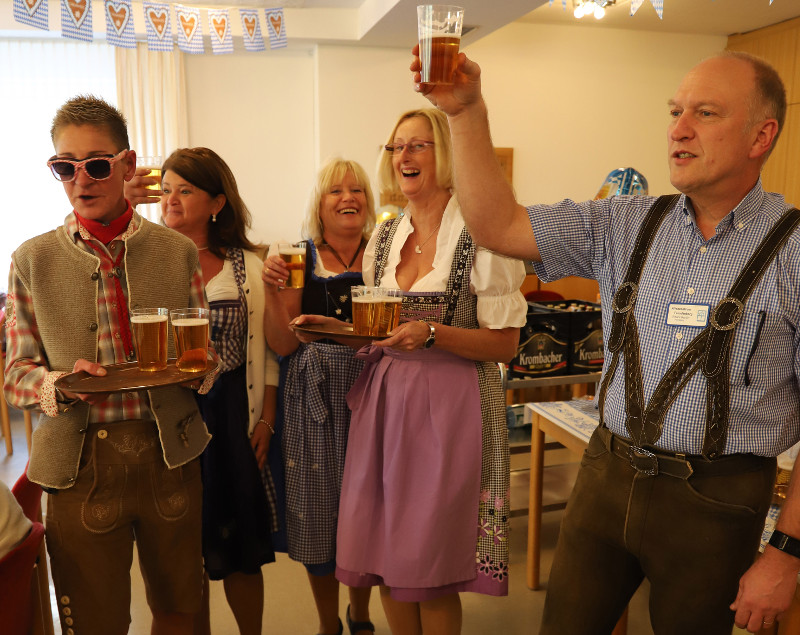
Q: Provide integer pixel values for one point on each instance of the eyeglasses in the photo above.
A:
(97, 168)
(413, 147)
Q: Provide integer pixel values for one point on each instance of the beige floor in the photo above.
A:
(289, 606)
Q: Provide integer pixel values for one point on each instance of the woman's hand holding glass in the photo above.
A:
(140, 191)
(274, 272)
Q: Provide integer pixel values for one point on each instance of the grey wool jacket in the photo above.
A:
(62, 280)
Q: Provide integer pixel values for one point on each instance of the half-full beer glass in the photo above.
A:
(439, 27)
(190, 330)
(294, 257)
(150, 337)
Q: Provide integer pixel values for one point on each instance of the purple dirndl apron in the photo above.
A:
(424, 504)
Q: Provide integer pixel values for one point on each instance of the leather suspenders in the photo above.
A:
(709, 351)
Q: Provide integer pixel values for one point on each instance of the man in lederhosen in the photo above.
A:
(701, 307)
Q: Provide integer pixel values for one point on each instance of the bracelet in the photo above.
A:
(266, 423)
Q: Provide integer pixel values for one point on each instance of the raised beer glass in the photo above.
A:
(190, 330)
(154, 164)
(294, 257)
(439, 27)
(150, 337)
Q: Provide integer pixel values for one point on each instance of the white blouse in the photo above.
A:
(223, 285)
(494, 279)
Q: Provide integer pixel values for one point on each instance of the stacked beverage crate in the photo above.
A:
(560, 338)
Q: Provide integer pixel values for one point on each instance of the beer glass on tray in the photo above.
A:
(150, 337)
(376, 310)
(190, 330)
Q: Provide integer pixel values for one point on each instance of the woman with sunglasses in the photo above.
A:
(427, 456)
(201, 200)
(339, 220)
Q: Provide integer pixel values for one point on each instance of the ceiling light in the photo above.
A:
(597, 8)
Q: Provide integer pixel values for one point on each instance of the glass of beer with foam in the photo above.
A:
(439, 27)
(149, 327)
(190, 331)
(376, 310)
(294, 257)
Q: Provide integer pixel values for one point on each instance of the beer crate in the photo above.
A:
(585, 335)
(543, 348)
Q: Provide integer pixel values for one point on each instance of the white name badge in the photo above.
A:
(688, 315)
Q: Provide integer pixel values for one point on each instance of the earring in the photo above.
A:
(213, 218)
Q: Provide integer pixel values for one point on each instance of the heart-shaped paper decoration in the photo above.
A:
(189, 25)
(158, 20)
(275, 21)
(119, 15)
(78, 10)
(249, 25)
(220, 27)
(31, 6)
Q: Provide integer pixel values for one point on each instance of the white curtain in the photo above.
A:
(36, 77)
(151, 92)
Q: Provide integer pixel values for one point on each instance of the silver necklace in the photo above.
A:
(419, 246)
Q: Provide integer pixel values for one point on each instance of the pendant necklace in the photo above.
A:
(419, 246)
(339, 258)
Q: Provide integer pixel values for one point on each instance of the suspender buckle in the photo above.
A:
(726, 314)
(643, 461)
(625, 297)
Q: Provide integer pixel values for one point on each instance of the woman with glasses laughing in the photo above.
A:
(427, 456)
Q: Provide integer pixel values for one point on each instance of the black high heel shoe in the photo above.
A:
(358, 626)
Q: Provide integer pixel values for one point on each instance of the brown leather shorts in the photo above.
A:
(125, 493)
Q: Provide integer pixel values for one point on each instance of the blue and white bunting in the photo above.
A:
(276, 28)
(251, 30)
(219, 25)
(31, 12)
(190, 33)
(158, 26)
(119, 24)
(76, 19)
(658, 5)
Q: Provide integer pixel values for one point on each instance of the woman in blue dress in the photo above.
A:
(316, 418)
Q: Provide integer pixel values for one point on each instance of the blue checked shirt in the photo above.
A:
(595, 240)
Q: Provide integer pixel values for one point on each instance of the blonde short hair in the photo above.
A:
(387, 181)
(333, 172)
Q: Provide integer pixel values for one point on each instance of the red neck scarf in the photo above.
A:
(106, 233)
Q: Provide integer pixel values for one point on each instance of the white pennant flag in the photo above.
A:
(658, 5)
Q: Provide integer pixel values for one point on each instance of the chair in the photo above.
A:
(5, 419)
(18, 588)
(29, 497)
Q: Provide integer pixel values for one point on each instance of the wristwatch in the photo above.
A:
(431, 335)
(785, 543)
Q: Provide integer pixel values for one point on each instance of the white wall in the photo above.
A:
(577, 102)
(361, 93)
(574, 103)
(257, 112)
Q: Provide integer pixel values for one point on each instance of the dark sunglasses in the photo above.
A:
(97, 168)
